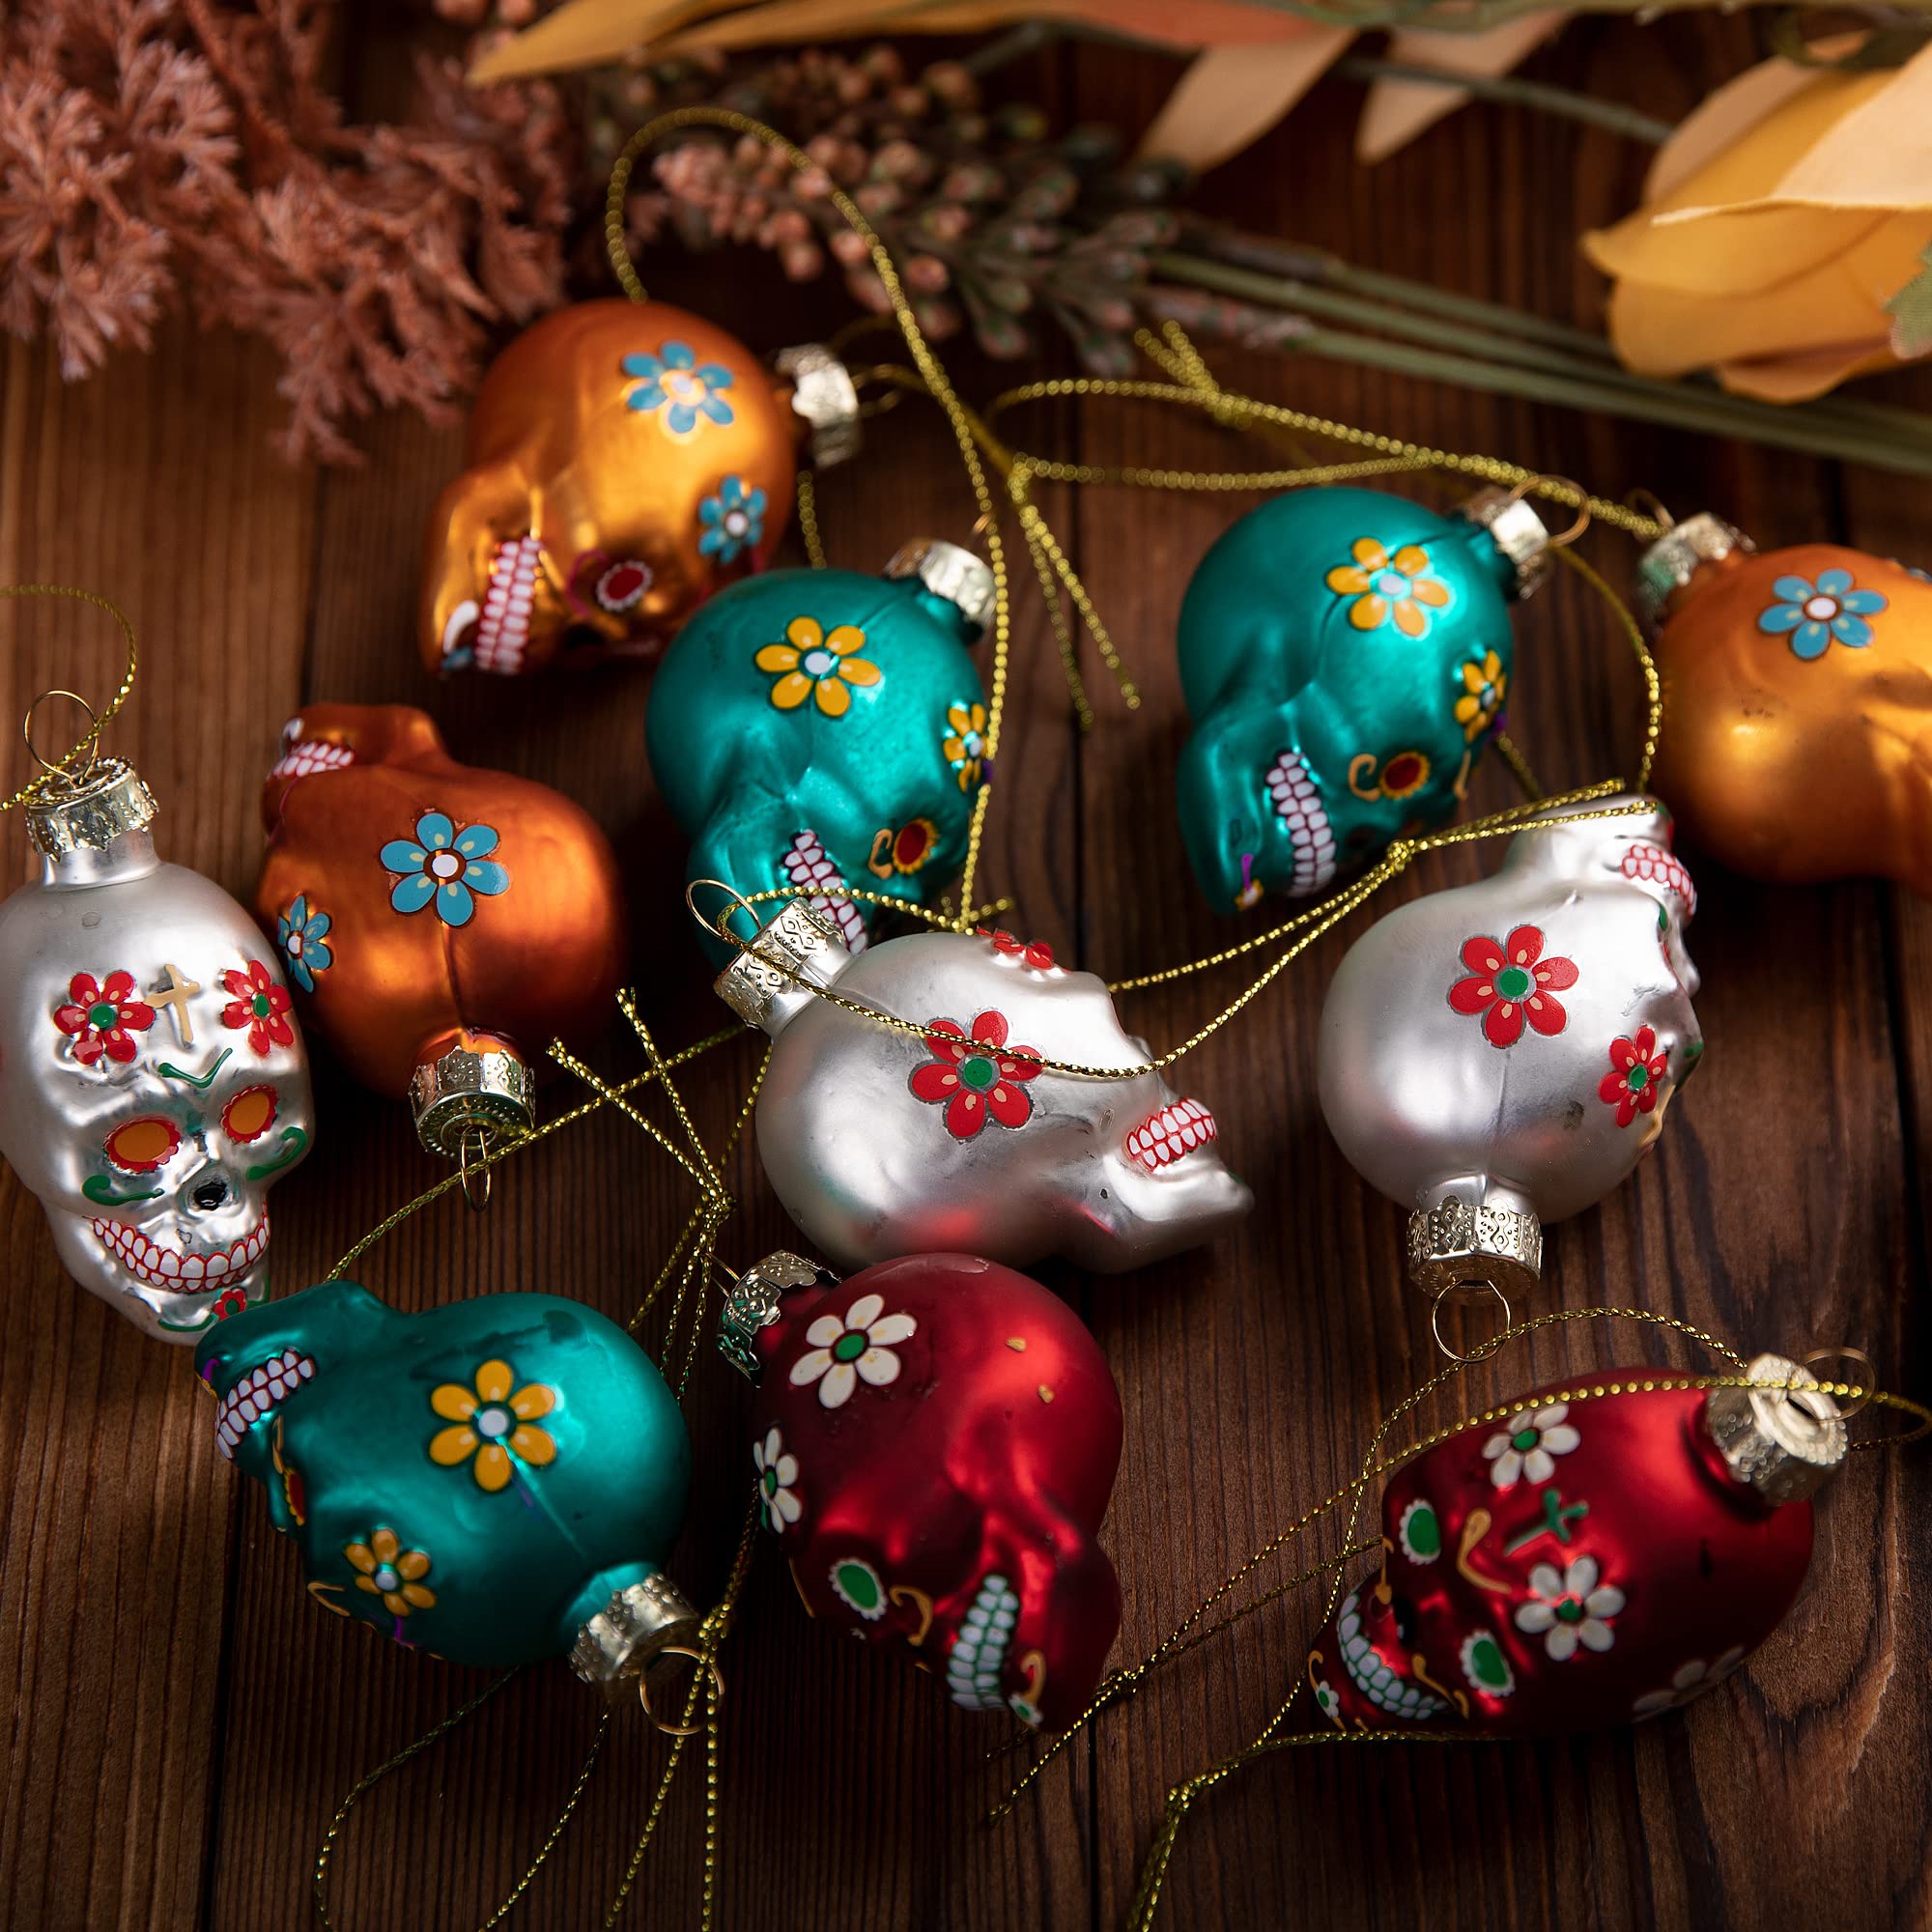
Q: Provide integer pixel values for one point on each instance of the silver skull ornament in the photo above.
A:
(152, 1080)
(880, 1143)
(1500, 1055)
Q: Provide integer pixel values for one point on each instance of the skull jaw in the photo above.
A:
(1125, 1219)
(167, 1315)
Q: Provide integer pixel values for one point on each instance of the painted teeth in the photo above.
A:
(1171, 1134)
(311, 755)
(806, 865)
(168, 1267)
(1372, 1675)
(1662, 867)
(978, 1653)
(256, 1395)
(1298, 804)
(503, 624)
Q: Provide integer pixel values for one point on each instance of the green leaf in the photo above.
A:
(1911, 312)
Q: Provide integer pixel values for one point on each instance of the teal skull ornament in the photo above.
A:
(495, 1481)
(1345, 655)
(820, 728)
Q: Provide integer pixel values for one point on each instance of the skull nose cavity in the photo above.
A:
(210, 1194)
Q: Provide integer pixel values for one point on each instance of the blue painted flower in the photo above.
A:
(299, 933)
(732, 519)
(676, 382)
(1814, 613)
(446, 865)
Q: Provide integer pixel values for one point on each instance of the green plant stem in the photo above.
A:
(1610, 115)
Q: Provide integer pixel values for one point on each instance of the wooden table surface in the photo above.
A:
(184, 1720)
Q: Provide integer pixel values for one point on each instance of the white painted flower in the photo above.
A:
(1326, 1701)
(778, 1471)
(1691, 1680)
(1526, 1446)
(845, 1352)
(1570, 1607)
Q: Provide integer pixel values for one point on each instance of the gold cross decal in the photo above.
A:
(174, 996)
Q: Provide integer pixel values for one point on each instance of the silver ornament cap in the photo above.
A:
(464, 1092)
(107, 801)
(824, 394)
(1461, 1248)
(1516, 531)
(1780, 1441)
(753, 1304)
(1677, 556)
(631, 1633)
(949, 572)
(757, 985)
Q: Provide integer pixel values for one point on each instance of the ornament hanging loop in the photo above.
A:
(1482, 1349)
(697, 1657)
(1867, 1379)
(1648, 503)
(1541, 486)
(735, 902)
(476, 1182)
(91, 740)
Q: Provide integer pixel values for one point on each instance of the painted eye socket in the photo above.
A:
(141, 1146)
(249, 1115)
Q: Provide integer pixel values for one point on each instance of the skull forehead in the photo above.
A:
(1585, 839)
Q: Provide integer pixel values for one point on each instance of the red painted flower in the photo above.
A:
(974, 1085)
(1039, 957)
(231, 1301)
(258, 1004)
(1637, 1073)
(98, 1019)
(1510, 982)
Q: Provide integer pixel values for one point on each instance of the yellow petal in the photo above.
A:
(412, 1563)
(492, 1466)
(1369, 553)
(954, 749)
(367, 1583)
(1796, 378)
(453, 1403)
(1345, 580)
(531, 1401)
(1410, 620)
(807, 633)
(859, 671)
(979, 718)
(845, 638)
(384, 1544)
(392, 1602)
(1366, 613)
(1427, 590)
(1229, 97)
(1397, 111)
(451, 1445)
(968, 775)
(834, 700)
(1467, 708)
(791, 691)
(494, 1380)
(1724, 116)
(422, 1599)
(533, 1444)
(776, 657)
(959, 717)
(358, 1554)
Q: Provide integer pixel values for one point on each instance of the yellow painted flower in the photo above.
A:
(387, 1569)
(1485, 683)
(965, 744)
(1386, 586)
(503, 1424)
(819, 665)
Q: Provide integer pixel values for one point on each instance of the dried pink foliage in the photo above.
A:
(156, 150)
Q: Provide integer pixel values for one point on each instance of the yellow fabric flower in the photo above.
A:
(502, 1423)
(1485, 683)
(965, 745)
(819, 665)
(390, 1571)
(1386, 586)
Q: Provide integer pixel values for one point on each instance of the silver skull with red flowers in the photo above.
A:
(881, 1143)
(1501, 1054)
(152, 1080)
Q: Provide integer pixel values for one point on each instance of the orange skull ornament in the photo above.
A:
(625, 460)
(1797, 741)
(439, 923)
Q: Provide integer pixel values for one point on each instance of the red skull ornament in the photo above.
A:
(936, 1440)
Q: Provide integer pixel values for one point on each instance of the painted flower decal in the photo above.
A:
(676, 382)
(857, 1349)
(385, 1569)
(1510, 982)
(1485, 685)
(1039, 958)
(1569, 1608)
(1814, 613)
(1420, 1531)
(1385, 587)
(973, 1085)
(964, 746)
(492, 1424)
(1525, 1444)
(859, 1587)
(733, 519)
(99, 1018)
(1486, 1667)
(1690, 1681)
(1403, 775)
(1636, 1076)
(778, 1471)
(258, 1004)
(818, 664)
(444, 866)
(1325, 1700)
(302, 936)
(230, 1301)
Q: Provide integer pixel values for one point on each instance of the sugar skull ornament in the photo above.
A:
(440, 923)
(495, 1480)
(825, 728)
(625, 460)
(936, 1442)
(882, 1144)
(153, 1084)
(1580, 1563)
(1498, 1056)
(1344, 656)
(1794, 744)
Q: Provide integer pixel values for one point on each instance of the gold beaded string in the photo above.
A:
(59, 771)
